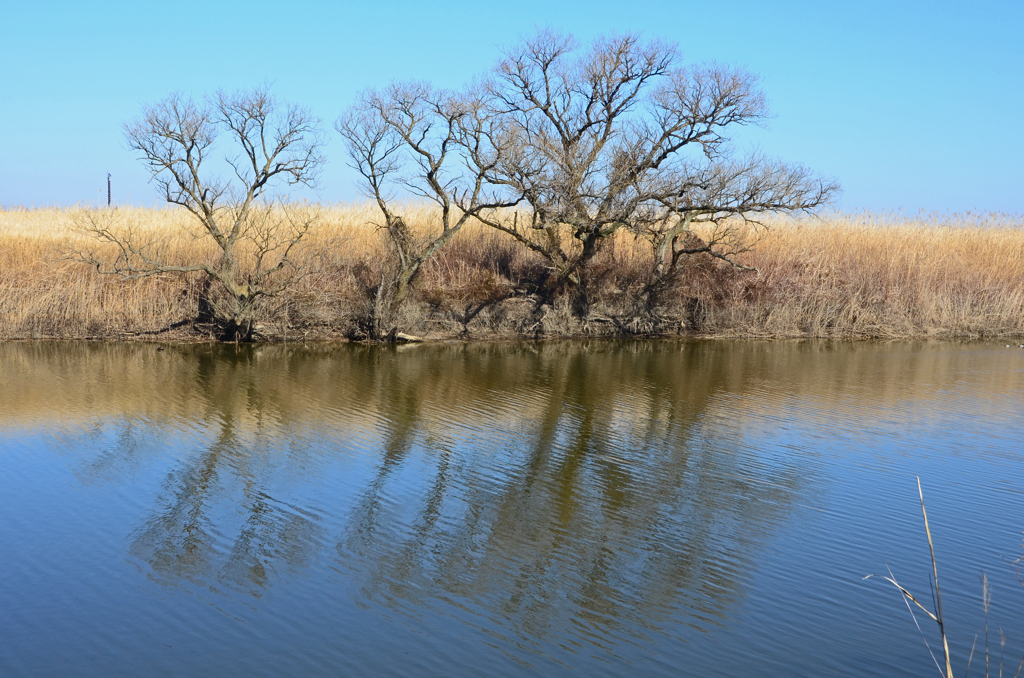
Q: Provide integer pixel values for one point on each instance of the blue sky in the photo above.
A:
(909, 105)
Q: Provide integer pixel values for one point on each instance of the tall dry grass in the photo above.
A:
(839, 275)
(883, 276)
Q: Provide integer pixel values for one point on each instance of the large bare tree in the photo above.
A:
(584, 143)
(622, 136)
(254, 235)
(412, 139)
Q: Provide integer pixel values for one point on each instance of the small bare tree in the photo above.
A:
(254, 235)
(413, 138)
(623, 137)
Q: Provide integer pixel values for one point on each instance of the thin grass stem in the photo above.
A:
(938, 592)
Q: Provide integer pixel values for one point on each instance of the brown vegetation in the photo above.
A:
(863, 276)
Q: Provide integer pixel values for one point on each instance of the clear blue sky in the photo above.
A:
(910, 105)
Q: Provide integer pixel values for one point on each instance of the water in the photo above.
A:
(657, 508)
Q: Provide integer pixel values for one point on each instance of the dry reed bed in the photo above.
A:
(838, 275)
(879, 277)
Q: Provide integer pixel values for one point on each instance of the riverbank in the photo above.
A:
(835, 276)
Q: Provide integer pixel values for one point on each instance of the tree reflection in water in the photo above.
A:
(219, 525)
(611, 510)
(573, 493)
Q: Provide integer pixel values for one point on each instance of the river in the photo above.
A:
(657, 508)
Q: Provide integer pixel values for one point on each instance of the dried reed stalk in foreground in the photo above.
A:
(937, 617)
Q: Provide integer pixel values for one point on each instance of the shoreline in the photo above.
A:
(851, 277)
(321, 340)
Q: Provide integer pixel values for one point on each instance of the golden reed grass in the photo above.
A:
(837, 275)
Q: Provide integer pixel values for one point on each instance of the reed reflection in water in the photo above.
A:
(592, 506)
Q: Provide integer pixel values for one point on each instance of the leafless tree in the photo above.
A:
(413, 138)
(622, 136)
(584, 143)
(255, 235)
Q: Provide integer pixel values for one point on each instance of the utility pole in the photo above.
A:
(108, 190)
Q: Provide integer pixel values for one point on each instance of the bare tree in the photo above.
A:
(414, 139)
(255, 235)
(623, 137)
(618, 136)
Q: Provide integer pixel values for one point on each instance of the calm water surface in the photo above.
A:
(660, 508)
